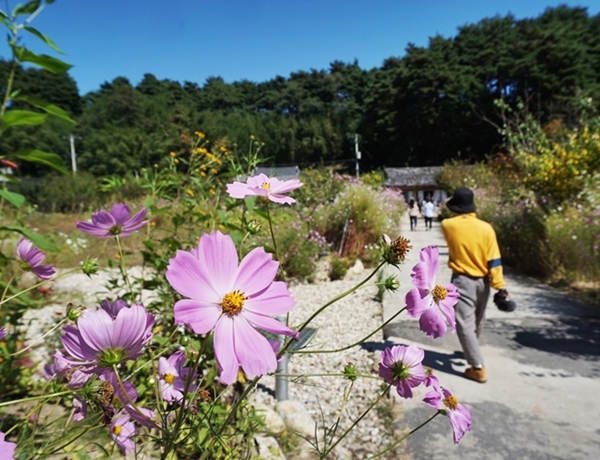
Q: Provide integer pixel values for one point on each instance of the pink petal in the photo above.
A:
(256, 272)
(266, 323)
(283, 199)
(239, 190)
(253, 350)
(225, 350)
(96, 329)
(187, 276)
(432, 324)
(219, 261)
(120, 212)
(103, 219)
(276, 300)
(430, 255)
(93, 229)
(23, 248)
(201, 317)
(258, 180)
(417, 302)
(286, 186)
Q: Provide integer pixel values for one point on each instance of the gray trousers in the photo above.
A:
(470, 314)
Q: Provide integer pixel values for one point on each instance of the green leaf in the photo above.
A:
(22, 117)
(46, 106)
(28, 8)
(40, 241)
(51, 64)
(250, 203)
(16, 199)
(38, 156)
(47, 40)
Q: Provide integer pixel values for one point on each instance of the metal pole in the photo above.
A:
(357, 152)
(73, 160)
(281, 379)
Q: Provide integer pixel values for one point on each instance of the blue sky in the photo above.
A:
(191, 40)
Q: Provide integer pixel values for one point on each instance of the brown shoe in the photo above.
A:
(476, 374)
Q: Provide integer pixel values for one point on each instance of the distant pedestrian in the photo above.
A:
(414, 213)
(428, 213)
(474, 258)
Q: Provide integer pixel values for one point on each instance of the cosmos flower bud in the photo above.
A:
(90, 266)
(350, 372)
(391, 283)
(253, 227)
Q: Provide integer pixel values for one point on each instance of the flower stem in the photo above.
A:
(129, 400)
(23, 350)
(35, 398)
(339, 297)
(123, 267)
(371, 406)
(37, 285)
(414, 430)
(347, 347)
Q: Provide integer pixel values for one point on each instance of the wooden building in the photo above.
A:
(417, 182)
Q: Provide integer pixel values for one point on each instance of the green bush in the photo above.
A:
(65, 194)
(339, 267)
(358, 217)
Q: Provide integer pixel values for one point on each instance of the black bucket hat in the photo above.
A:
(462, 201)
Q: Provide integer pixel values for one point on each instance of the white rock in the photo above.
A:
(296, 418)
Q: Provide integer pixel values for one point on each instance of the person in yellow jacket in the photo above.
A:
(474, 258)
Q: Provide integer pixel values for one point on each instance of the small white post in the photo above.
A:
(356, 151)
(73, 160)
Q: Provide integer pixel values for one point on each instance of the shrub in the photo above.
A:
(66, 194)
(358, 217)
(339, 267)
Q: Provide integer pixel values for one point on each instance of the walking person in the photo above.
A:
(428, 213)
(414, 213)
(474, 258)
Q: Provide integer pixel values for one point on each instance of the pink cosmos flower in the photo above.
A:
(114, 223)
(63, 369)
(432, 303)
(113, 308)
(402, 367)
(459, 415)
(10, 164)
(32, 259)
(130, 393)
(234, 301)
(7, 449)
(268, 187)
(101, 341)
(172, 375)
(122, 430)
(80, 406)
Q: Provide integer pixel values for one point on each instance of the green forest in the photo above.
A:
(432, 105)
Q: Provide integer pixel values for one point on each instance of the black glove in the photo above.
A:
(503, 302)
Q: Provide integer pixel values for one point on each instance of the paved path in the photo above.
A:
(542, 398)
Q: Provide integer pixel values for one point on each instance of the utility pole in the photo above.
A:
(73, 155)
(357, 152)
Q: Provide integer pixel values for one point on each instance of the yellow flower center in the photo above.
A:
(117, 430)
(266, 185)
(169, 378)
(439, 293)
(451, 402)
(233, 303)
